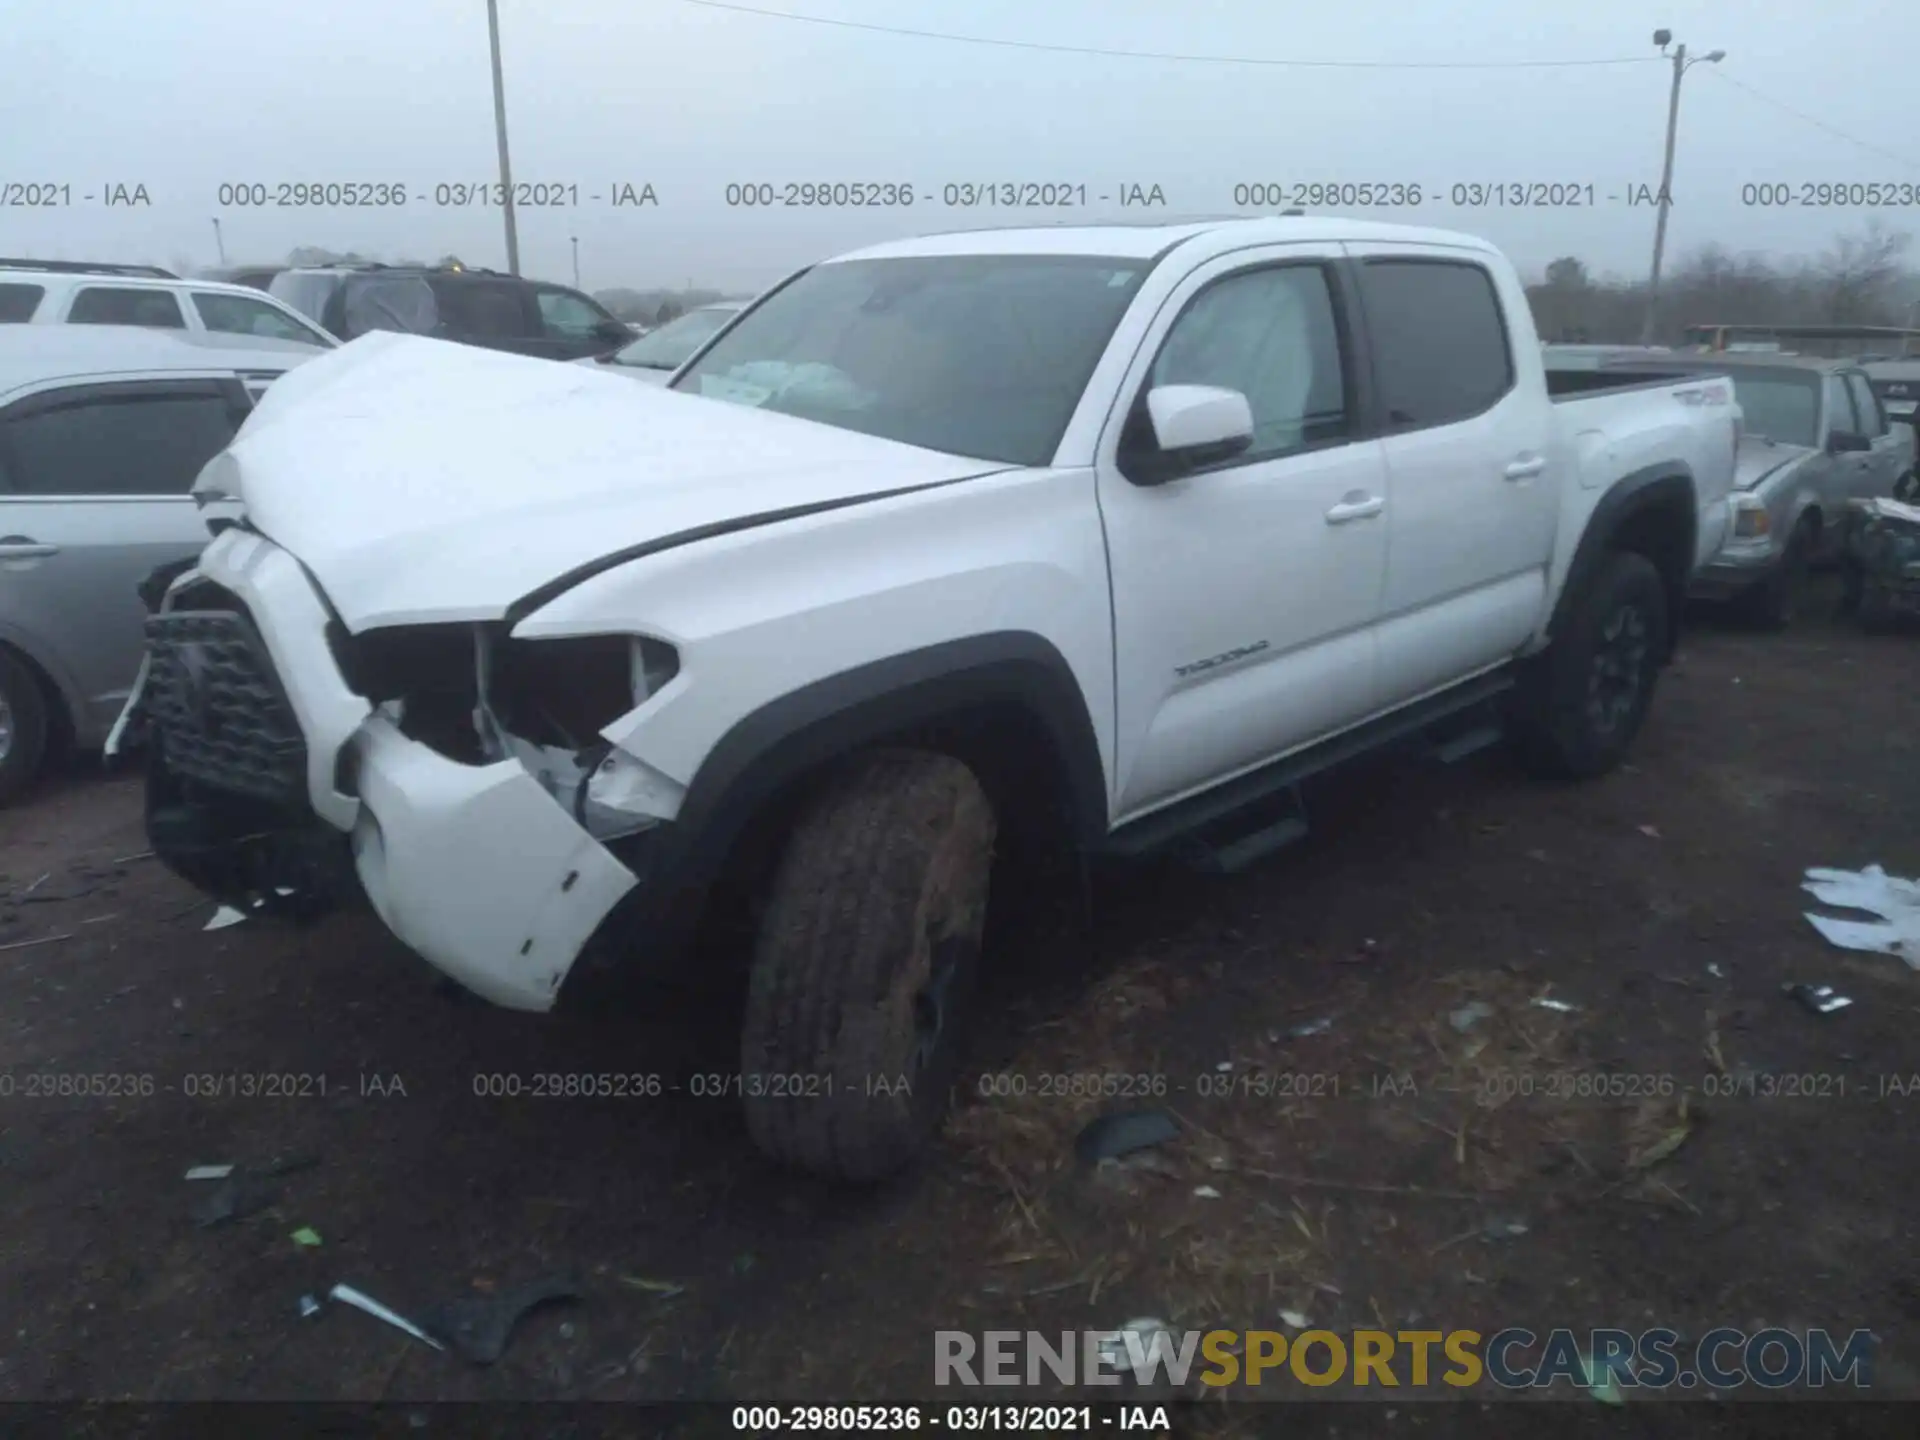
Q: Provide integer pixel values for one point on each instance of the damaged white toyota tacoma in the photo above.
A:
(1097, 539)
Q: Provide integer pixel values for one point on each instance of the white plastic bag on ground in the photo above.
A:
(1895, 901)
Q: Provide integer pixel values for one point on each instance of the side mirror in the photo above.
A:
(1846, 442)
(613, 332)
(1187, 428)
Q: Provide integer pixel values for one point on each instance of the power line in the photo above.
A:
(1164, 55)
(1814, 121)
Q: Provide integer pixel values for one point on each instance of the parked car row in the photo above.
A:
(103, 431)
(473, 307)
(73, 293)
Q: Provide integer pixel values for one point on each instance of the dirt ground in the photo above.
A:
(1410, 1174)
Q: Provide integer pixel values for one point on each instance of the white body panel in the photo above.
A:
(1211, 624)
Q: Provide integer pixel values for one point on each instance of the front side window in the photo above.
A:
(566, 316)
(112, 305)
(670, 347)
(482, 310)
(239, 315)
(1439, 340)
(118, 444)
(984, 356)
(1270, 334)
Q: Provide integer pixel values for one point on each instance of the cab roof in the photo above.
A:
(1148, 241)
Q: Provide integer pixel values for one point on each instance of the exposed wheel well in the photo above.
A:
(1007, 745)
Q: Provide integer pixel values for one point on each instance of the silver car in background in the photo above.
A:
(103, 430)
(1814, 438)
(654, 357)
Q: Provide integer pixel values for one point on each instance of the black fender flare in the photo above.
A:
(1642, 493)
(766, 752)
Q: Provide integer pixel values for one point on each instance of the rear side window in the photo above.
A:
(110, 305)
(482, 309)
(241, 315)
(18, 302)
(1439, 340)
(118, 444)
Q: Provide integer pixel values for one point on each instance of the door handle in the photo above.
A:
(1526, 469)
(1358, 507)
(22, 547)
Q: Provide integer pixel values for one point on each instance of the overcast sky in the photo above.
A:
(183, 98)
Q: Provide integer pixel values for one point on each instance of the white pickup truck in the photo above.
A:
(1092, 537)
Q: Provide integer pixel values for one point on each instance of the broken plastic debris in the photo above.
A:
(1559, 1007)
(347, 1295)
(1293, 1320)
(1895, 901)
(309, 1307)
(1821, 999)
(1716, 971)
(209, 1172)
(664, 1288)
(1652, 832)
(1140, 1357)
(223, 917)
(1110, 1136)
(234, 1198)
(478, 1329)
(306, 1236)
(1206, 1192)
(1223, 1067)
(1312, 1027)
(1601, 1387)
(1470, 1015)
(1504, 1229)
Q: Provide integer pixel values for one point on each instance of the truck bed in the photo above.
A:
(1565, 385)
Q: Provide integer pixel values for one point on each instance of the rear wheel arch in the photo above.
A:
(1651, 512)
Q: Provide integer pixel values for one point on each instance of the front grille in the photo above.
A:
(218, 708)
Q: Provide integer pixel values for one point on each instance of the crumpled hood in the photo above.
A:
(1759, 460)
(420, 480)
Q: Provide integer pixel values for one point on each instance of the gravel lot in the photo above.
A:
(1409, 1175)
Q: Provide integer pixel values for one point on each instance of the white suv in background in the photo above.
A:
(62, 292)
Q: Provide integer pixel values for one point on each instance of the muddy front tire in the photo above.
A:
(1582, 702)
(865, 965)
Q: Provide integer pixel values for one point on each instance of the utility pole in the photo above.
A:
(500, 129)
(219, 243)
(576, 260)
(1664, 200)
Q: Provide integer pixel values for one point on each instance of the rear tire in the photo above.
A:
(865, 966)
(1579, 708)
(23, 728)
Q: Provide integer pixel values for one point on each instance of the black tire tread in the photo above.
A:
(1545, 721)
(846, 905)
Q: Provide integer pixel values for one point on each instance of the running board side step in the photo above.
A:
(1227, 828)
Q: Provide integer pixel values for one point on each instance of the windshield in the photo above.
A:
(976, 355)
(1781, 408)
(668, 347)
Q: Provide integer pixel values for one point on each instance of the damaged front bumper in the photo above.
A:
(274, 784)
